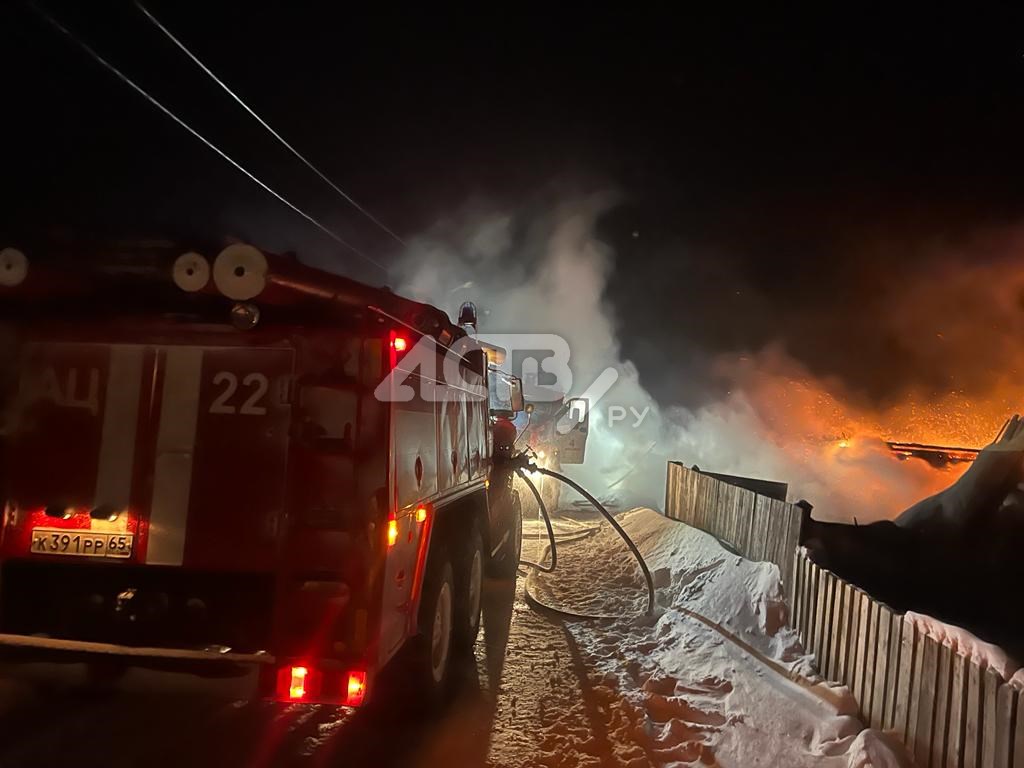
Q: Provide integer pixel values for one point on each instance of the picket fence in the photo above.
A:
(757, 527)
(950, 710)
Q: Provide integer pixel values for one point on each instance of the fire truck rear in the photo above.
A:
(235, 463)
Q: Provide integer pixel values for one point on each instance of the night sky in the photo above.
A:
(775, 172)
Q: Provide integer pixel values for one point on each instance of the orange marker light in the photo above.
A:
(392, 532)
(297, 688)
(421, 514)
(356, 688)
(400, 343)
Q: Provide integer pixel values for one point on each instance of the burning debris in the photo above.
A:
(950, 554)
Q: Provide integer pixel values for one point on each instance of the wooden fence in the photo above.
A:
(758, 527)
(950, 711)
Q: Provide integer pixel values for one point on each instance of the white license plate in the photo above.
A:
(79, 543)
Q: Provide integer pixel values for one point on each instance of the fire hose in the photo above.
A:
(553, 547)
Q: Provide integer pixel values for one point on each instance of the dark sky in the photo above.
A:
(778, 168)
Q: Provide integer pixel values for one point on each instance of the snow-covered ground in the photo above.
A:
(715, 677)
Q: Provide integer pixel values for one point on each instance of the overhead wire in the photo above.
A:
(227, 89)
(156, 103)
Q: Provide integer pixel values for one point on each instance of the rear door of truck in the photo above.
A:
(147, 453)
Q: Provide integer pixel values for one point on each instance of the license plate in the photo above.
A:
(79, 543)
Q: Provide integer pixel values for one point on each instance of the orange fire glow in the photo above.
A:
(833, 445)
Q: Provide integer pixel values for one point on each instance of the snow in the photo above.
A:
(715, 677)
(985, 655)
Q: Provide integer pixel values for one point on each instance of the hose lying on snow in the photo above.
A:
(551, 539)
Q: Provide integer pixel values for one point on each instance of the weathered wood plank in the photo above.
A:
(673, 508)
(778, 532)
(914, 702)
(696, 492)
(744, 505)
(893, 673)
(881, 681)
(869, 615)
(973, 714)
(825, 596)
(801, 621)
(759, 530)
(817, 611)
(709, 504)
(957, 711)
(793, 594)
(845, 602)
(828, 630)
(772, 543)
(807, 606)
(709, 498)
(852, 633)
(727, 510)
(868, 684)
(763, 508)
(1018, 733)
(926, 697)
(989, 718)
(692, 492)
(904, 692)
(1006, 716)
(818, 607)
(681, 484)
(791, 541)
(941, 726)
(687, 479)
(670, 476)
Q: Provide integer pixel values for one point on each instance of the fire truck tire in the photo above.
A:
(469, 582)
(432, 649)
(506, 563)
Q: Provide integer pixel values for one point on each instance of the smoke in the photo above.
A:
(544, 270)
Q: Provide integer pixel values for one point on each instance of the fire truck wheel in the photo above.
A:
(469, 590)
(432, 650)
(505, 564)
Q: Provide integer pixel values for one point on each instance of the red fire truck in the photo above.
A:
(232, 463)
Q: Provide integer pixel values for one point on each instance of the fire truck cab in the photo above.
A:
(246, 461)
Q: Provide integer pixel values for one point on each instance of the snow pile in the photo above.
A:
(715, 677)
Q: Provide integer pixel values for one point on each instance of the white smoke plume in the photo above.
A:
(546, 272)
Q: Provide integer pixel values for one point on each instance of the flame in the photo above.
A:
(832, 447)
(957, 378)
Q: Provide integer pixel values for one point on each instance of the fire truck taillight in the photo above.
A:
(421, 514)
(297, 683)
(356, 688)
(392, 531)
(399, 344)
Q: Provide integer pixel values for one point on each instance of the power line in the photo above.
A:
(261, 121)
(152, 100)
